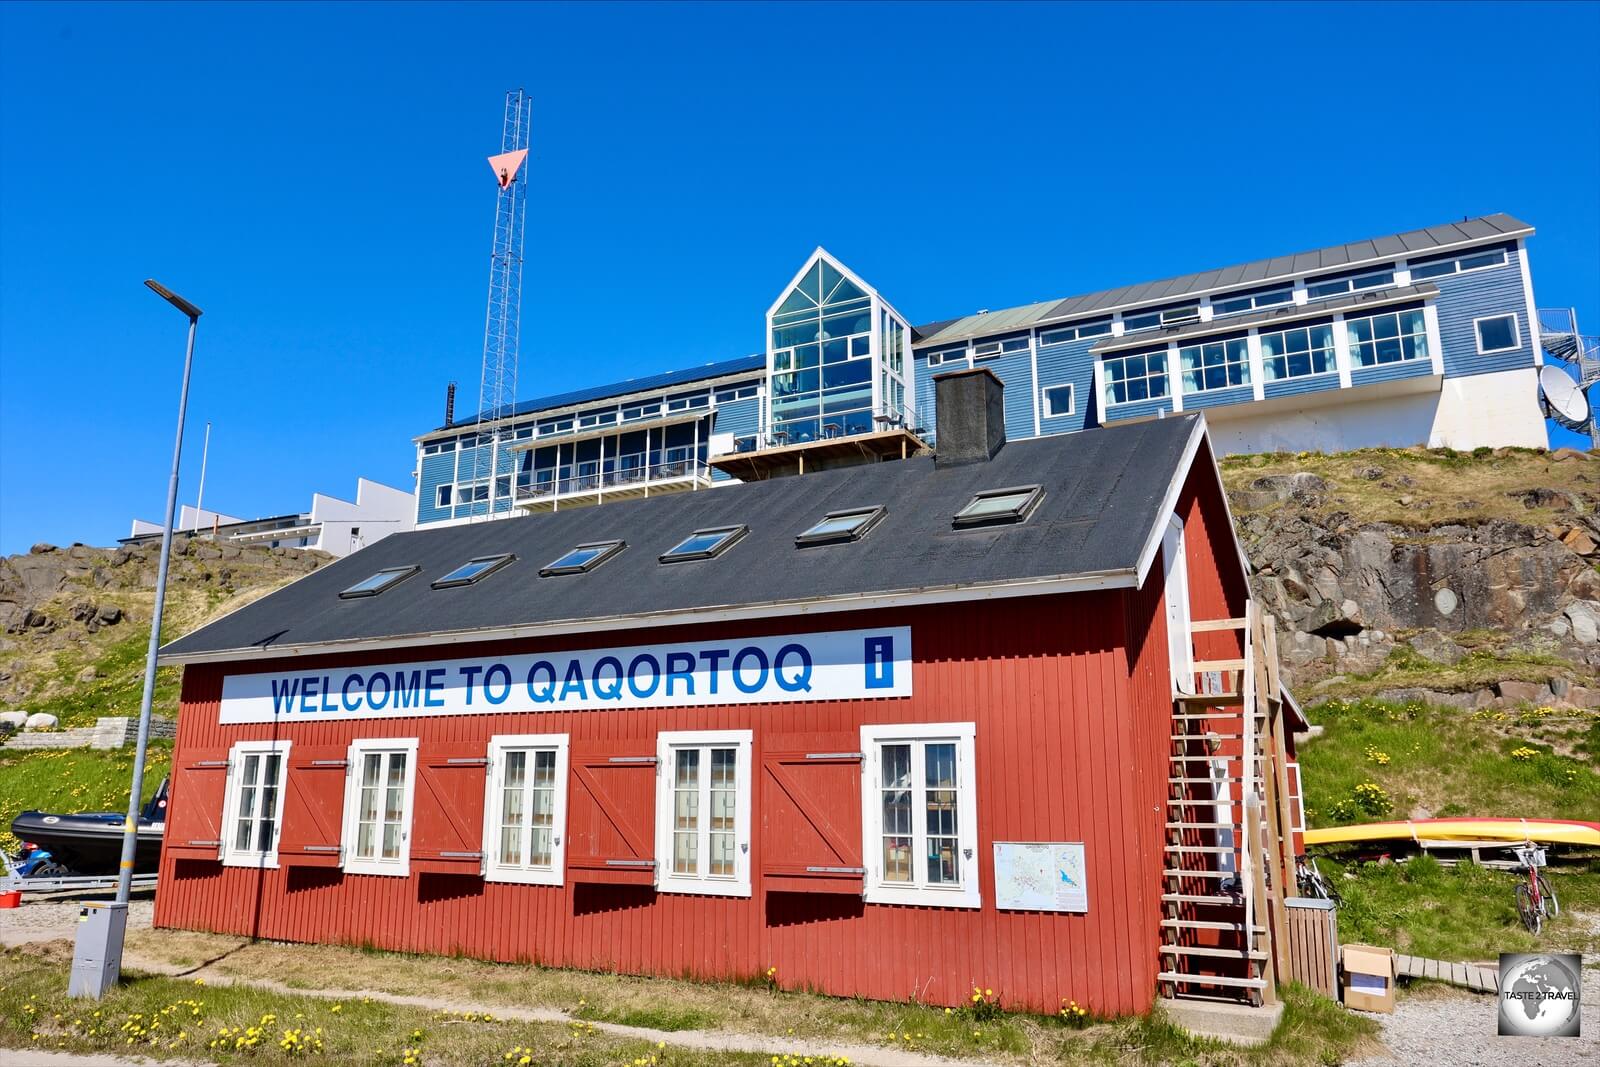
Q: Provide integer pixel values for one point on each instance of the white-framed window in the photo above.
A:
(253, 806)
(1211, 365)
(1234, 303)
(1497, 333)
(1388, 337)
(525, 810)
(1337, 284)
(1298, 352)
(919, 817)
(991, 349)
(381, 783)
(434, 448)
(1439, 268)
(1062, 334)
(1058, 400)
(1134, 377)
(948, 355)
(441, 495)
(703, 812)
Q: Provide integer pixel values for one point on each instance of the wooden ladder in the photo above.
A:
(1215, 941)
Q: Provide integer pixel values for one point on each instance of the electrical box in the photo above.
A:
(97, 960)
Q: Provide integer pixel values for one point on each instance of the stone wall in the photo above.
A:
(108, 732)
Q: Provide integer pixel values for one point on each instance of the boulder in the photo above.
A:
(1433, 646)
(1582, 697)
(1584, 618)
(13, 719)
(41, 548)
(1511, 692)
(1580, 542)
(109, 614)
(40, 720)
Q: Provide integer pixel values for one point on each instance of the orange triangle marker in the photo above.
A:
(506, 166)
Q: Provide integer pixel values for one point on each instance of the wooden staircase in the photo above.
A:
(1225, 857)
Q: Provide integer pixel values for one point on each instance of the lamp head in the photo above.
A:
(172, 298)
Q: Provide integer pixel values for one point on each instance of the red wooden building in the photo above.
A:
(896, 730)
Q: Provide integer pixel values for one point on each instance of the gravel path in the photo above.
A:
(1458, 1029)
(49, 920)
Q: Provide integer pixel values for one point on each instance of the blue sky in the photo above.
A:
(314, 178)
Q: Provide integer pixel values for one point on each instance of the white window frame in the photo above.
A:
(667, 743)
(399, 867)
(1516, 333)
(267, 857)
(438, 495)
(1072, 400)
(500, 747)
(1180, 624)
(965, 895)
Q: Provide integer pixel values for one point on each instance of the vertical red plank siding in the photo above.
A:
(1070, 699)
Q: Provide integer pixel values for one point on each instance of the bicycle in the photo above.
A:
(1312, 883)
(1536, 901)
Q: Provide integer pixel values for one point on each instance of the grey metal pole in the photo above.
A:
(130, 828)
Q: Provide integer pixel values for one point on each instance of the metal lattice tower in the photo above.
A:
(497, 389)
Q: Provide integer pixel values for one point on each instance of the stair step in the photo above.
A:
(1208, 698)
(1211, 979)
(1208, 924)
(1203, 716)
(1185, 758)
(1202, 826)
(1200, 898)
(1207, 781)
(1214, 953)
(1179, 872)
(1198, 848)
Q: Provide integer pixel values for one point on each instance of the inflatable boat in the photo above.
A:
(1544, 831)
(90, 842)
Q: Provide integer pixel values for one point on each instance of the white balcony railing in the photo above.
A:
(620, 478)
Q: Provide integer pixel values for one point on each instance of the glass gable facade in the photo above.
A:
(838, 359)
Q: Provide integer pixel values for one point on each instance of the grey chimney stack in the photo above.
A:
(971, 416)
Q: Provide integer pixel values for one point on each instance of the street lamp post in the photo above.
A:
(130, 828)
(97, 960)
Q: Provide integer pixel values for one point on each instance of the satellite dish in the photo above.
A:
(1564, 400)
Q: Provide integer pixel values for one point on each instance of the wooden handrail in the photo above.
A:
(1202, 626)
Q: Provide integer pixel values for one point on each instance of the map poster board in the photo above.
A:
(1040, 876)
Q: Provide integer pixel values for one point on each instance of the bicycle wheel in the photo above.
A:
(1531, 916)
(1552, 906)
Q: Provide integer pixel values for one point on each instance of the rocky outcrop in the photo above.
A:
(1344, 590)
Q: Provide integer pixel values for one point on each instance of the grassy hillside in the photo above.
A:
(1378, 761)
(1419, 487)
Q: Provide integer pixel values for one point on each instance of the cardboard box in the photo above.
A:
(1369, 978)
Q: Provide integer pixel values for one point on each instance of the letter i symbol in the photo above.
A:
(878, 659)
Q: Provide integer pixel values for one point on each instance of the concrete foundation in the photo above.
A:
(1237, 1024)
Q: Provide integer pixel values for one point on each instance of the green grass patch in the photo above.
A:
(1460, 913)
(118, 685)
(70, 780)
(1481, 667)
(1449, 762)
(171, 1019)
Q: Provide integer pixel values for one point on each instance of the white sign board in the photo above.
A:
(838, 665)
(1040, 876)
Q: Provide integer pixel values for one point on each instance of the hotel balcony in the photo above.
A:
(797, 446)
(586, 488)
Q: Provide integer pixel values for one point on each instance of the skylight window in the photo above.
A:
(584, 558)
(703, 544)
(474, 570)
(999, 505)
(384, 579)
(849, 525)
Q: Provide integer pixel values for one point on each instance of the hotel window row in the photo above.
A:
(918, 810)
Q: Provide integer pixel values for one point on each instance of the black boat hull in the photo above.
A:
(89, 843)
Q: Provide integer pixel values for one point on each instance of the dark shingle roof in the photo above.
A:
(1103, 494)
(1334, 257)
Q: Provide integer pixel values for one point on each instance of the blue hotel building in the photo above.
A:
(1427, 337)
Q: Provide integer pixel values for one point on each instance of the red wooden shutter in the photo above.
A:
(811, 814)
(194, 804)
(313, 807)
(447, 812)
(611, 803)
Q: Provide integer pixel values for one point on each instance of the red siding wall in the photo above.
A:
(1069, 697)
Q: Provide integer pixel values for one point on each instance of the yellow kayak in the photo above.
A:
(1550, 831)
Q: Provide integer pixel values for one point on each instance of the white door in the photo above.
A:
(1180, 642)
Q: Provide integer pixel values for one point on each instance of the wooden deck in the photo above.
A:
(1468, 975)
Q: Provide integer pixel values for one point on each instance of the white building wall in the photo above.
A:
(378, 511)
(1493, 410)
